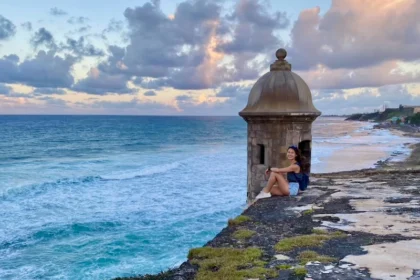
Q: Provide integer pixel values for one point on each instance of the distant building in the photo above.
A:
(411, 110)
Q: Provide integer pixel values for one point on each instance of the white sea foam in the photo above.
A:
(145, 171)
(362, 147)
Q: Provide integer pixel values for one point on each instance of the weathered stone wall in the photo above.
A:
(276, 134)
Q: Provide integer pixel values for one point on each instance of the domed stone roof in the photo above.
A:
(280, 92)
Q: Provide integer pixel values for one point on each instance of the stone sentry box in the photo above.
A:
(279, 114)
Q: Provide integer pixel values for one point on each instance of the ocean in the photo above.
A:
(97, 197)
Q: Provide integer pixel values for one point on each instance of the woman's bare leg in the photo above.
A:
(282, 187)
(270, 183)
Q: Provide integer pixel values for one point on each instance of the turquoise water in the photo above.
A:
(97, 197)
(101, 197)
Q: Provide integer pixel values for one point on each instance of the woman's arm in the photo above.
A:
(291, 168)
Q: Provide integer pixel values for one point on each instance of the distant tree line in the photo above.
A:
(415, 119)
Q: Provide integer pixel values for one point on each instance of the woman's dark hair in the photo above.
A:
(304, 165)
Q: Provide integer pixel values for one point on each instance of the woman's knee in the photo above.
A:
(279, 177)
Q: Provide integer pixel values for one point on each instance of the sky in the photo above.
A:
(201, 57)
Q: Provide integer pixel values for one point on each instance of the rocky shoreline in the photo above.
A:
(342, 215)
(361, 224)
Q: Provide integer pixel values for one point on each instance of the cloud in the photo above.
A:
(43, 37)
(228, 100)
(54, 102)
(234, 91)
(5, 90)
(179, 51)
(367, 100)
(114, 26)
(166, 37)
(101, 83)
(156, 84)
(150, 93)
(81, 48)
(184, 98)
(9, 92)
(84, 29)
(9, 68)
(356, 34)
(194, 43)
(77, 20)
(7, 28)
(27, 26)
(57, 12)
(46, 69)
(387, 73)
(132, 107)
(236, 97)
(48, 91)
(354, 44)
(253, 28)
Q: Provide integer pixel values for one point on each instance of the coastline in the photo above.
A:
(319, 213)
(410, 162)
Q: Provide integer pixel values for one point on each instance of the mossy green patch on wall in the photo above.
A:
(308, 212)
(229, 263)
(300, 271)
(319, 231)
(242, 234)
(283, 266)
(304, 241)
(313, 240)
(238, 220)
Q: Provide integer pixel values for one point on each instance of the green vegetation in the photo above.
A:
(238, 220)
(283, 266)
(229, 263)
(337, 234)
(243, 234)
(320, 231)
(388, 114)
(308, 212)
(312, 256)
(303, 241)
(395, 114)
(300, 271)
(414, 119)
(313, 240)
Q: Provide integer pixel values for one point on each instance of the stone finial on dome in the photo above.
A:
(281, 64)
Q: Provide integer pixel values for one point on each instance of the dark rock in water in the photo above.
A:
(185, 272)
(329, 219)
(416, 275)
(403, 210)
(398, 199)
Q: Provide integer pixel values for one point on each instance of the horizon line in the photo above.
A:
(118, 115)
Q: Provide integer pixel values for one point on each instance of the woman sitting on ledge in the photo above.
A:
(284, 187)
